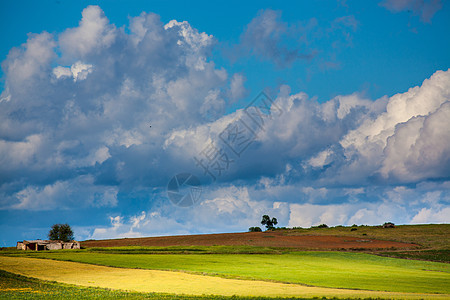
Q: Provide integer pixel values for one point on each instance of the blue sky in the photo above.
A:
(357, 131)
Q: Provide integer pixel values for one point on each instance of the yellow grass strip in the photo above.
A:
(175, 282)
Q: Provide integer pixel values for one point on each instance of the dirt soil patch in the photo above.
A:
(264, 239)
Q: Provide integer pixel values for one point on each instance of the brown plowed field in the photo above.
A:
(266, 239)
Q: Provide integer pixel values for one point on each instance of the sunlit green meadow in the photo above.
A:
(324, 269)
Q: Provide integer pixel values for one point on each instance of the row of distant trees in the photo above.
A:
(271, 222)
(266, 221)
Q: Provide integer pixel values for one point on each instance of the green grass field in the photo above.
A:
(430, 255)
(324, 269)
(180, 283)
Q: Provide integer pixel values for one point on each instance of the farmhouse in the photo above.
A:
(38, 245)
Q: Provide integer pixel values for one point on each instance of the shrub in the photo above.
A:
(353, 229)
(388, 225)
(322, 226)
(254, 229)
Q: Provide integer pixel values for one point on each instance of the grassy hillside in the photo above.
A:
(429, 236)
(433, 239)
(430, 242)
(278, 238)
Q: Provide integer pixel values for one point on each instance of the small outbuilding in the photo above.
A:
(38, 245)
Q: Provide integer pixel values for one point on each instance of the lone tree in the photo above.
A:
(268, 222)
(61, 232)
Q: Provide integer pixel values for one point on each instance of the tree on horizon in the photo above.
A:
(61, 232)
(269, 223)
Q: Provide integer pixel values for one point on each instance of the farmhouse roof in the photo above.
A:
(46, 241)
